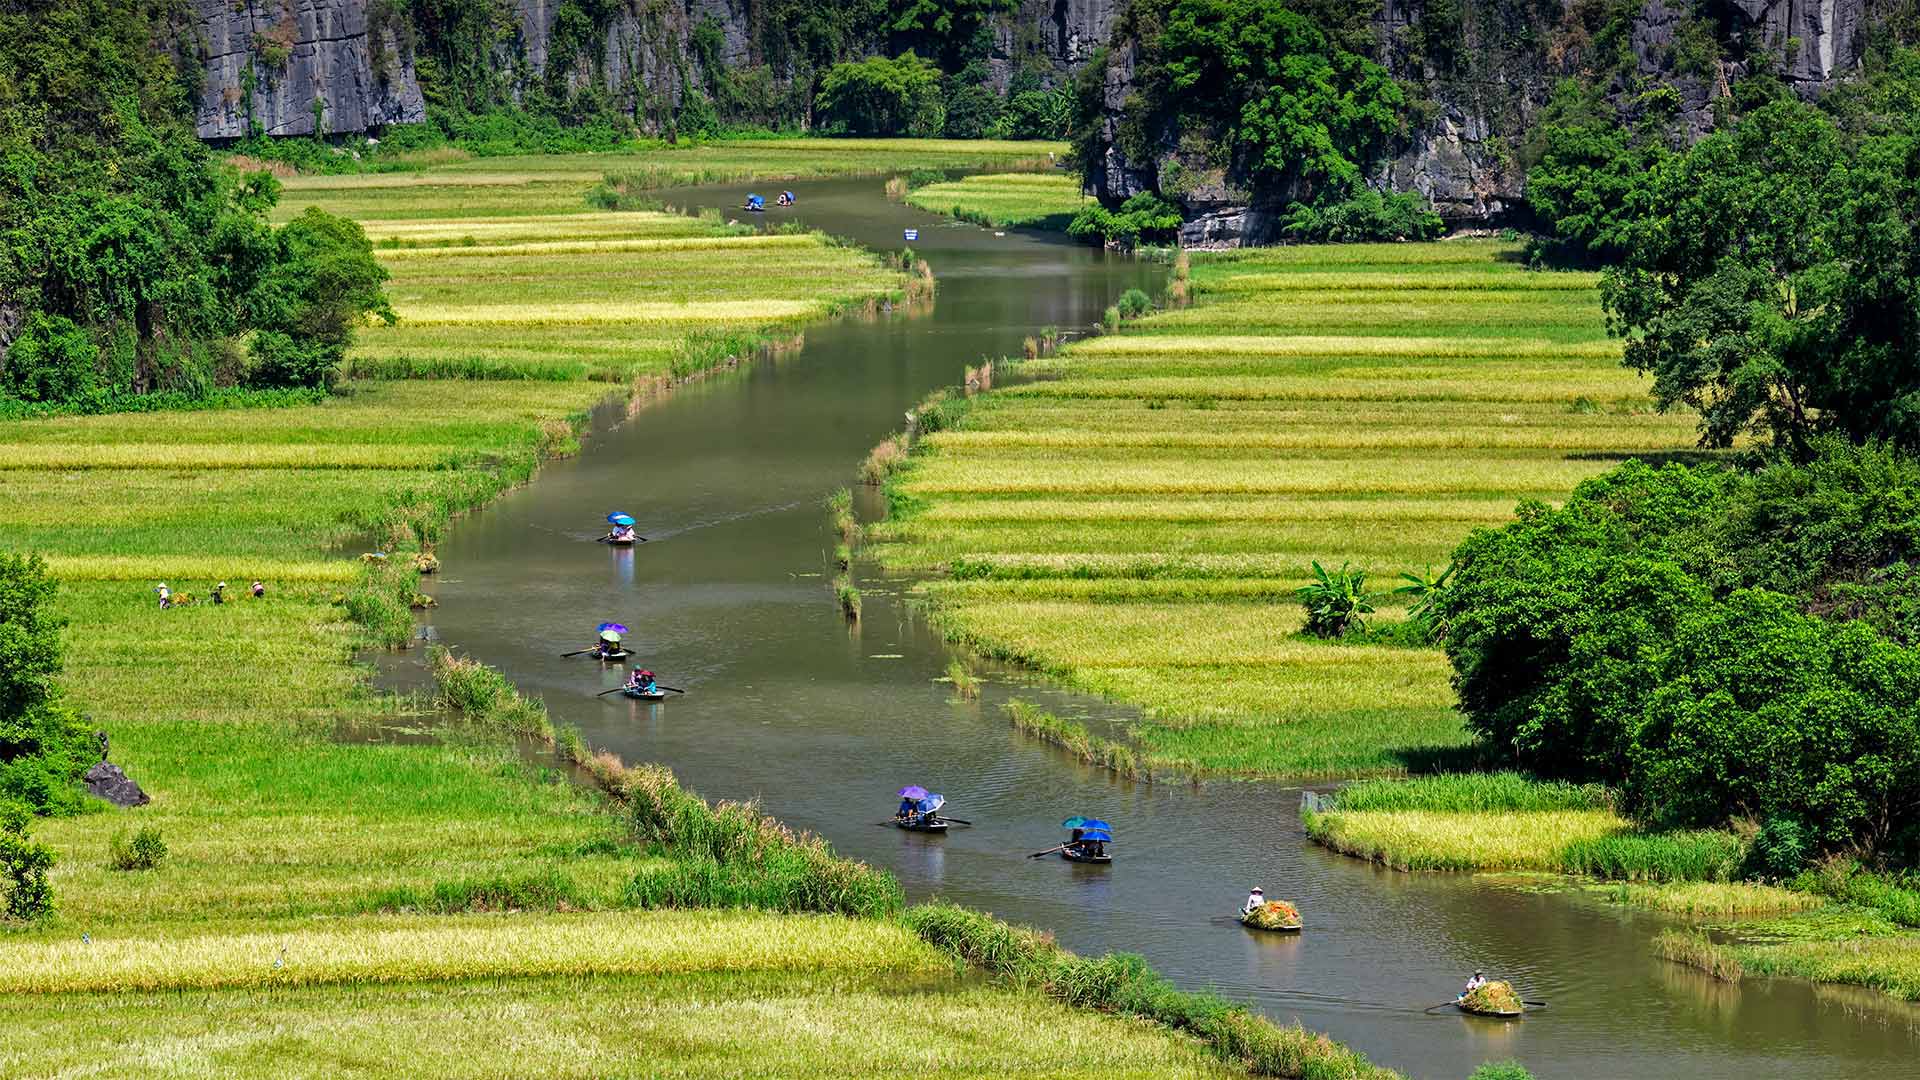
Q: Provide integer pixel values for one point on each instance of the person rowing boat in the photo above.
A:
(642, 682)
(1255, 901)
(609, 647)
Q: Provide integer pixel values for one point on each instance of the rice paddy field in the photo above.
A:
(309, 822)
(1132, 515)
(1045, 200)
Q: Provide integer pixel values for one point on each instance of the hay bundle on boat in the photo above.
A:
(1493, 998)
(1273, 915)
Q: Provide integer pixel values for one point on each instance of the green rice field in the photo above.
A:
(1132, 515)
(1046, 200)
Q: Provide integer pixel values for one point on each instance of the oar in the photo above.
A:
(1533, 1004)
(577, 652)
(603, 539)
(957, 820)
(1443, 1005)
(1049, 851)
(675, 689)
(615, 690)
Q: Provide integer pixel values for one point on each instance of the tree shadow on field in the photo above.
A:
(1656, 458)
(1472, 757)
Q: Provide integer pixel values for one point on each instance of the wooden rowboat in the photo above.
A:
(645, 695)
(617, 542)
(1084, 856)
(1500, 1014)
(934, 826)
(618, 656)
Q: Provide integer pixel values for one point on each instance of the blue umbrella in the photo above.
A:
(1073, 822)
(1097, 834)
(931, 803)
(613, 626)
(619, 519)
(1093, 823)
(913, 791)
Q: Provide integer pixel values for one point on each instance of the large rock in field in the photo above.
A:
(107, 781)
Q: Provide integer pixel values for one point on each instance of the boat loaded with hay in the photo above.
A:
(1274, 915)
(1495, 997)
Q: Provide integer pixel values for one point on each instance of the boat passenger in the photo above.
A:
(1479, 980)
(642, 681)
(608, 645)
(1255, 901)
(907, 811)
(623, 533)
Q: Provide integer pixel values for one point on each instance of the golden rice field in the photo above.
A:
(1046, 200)
(1132, 515)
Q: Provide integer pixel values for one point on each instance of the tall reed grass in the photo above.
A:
(1124, 984)
(1472, 793)
(966, 685)
(484, 696)
(1074, 737)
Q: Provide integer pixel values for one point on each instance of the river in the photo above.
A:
(821, 723)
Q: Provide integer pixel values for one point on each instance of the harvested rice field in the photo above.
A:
(1133, 514)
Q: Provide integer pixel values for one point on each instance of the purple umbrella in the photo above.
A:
(613, 626)
(912, 791)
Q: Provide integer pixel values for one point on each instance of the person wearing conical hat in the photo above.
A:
(1256, 899)
(220, 593)
(166, 596)
(609, 644)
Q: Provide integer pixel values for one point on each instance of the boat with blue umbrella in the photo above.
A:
(620, 532)
(1086, 842)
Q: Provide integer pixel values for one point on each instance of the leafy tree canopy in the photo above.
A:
(1719, 643)
(130, 261)
(1771, 280)
(881, 96)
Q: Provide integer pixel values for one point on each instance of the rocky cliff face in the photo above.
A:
(1484, 93)
(268, 61)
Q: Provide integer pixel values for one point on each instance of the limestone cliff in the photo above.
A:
(267, 62)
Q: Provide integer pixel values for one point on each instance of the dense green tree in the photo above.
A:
(1719, 643)
(1288, 92)
(1585, 183)
(881, 96)
(306, 306)
(130, 260)
(1772, 282)
(948, 31)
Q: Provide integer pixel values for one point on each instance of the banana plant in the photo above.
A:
(1336, 602)
(1429, 595)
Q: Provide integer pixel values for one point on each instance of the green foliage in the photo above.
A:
(24, 892)
(1677, 632)
(1585, 182)
(1288, 90)
(133, 259)
(143, 850)
(879, 96)
(1134, 303)
(1501, 1070)
(1780, 849)
(1145, 216)
(322, 284)
(1684, 855)
(1428, 593)
(1336, 601)
(29, 641)
(951, 31)
(1362, 216)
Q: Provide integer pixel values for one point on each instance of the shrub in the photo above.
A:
(485, 696)
(1145, 216)
(144, 850)
(24, 892)
(1365, 215)
(1336, 601)
(1780, 850)
(1501, 1070)
(1134, 303)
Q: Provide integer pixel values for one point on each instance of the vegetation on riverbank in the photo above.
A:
(1136, 521)
(1047, 200)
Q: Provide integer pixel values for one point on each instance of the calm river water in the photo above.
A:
(821, 723)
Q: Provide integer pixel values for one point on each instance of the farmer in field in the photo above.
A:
(1255, 901)
(220, 593)
(258, 590)
(166, 596)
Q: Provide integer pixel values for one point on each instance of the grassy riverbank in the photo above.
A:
(1134, 521)
(1832, 924)
(1045, 200)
